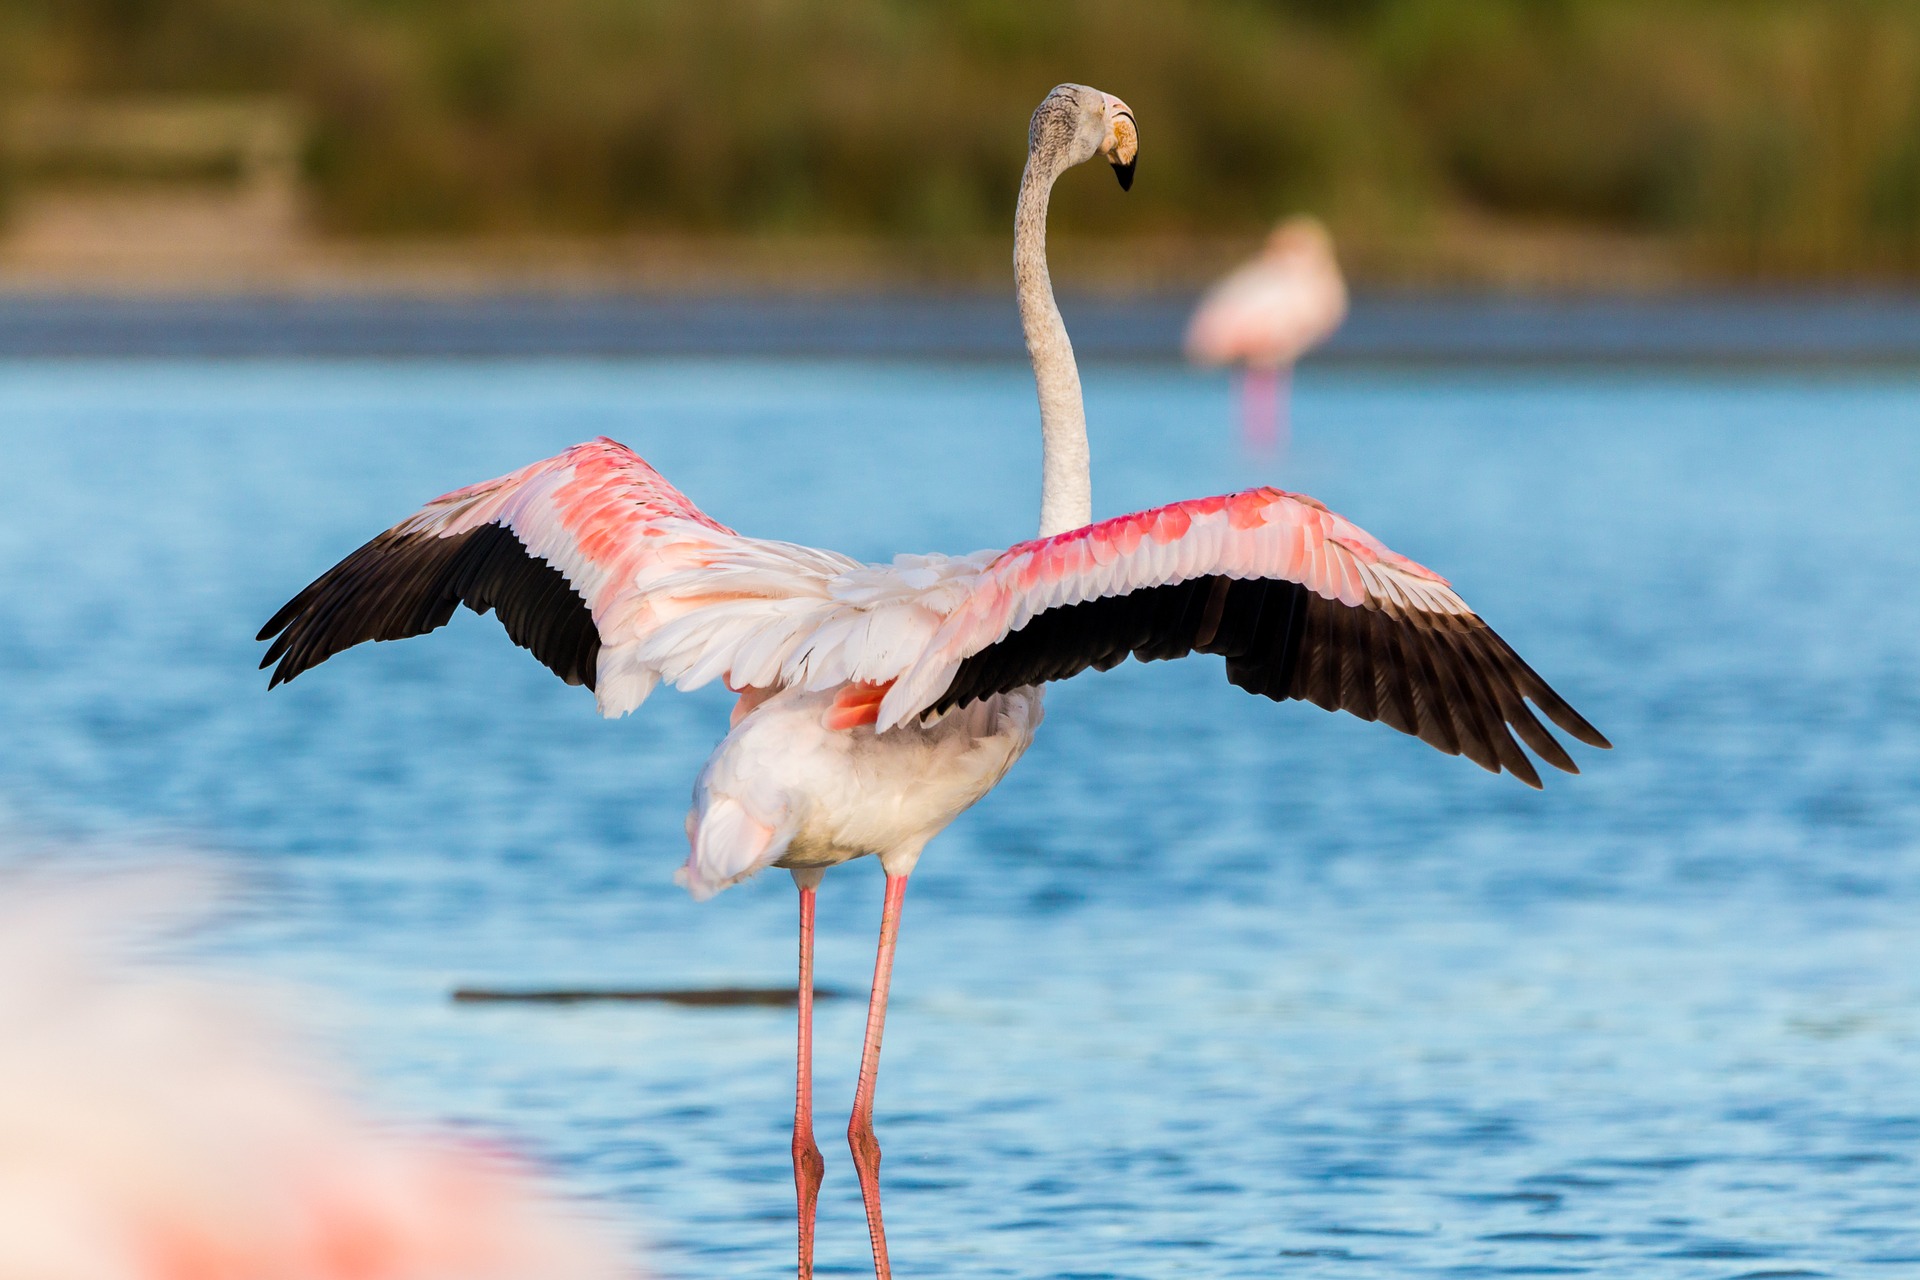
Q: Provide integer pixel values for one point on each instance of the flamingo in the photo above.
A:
(876, 702)
(1265, 316)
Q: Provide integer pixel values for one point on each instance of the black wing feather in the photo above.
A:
(407, 584)
(1448, 679)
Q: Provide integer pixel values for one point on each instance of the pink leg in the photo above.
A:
(808, 1167)
(1259, 396)
(866, 1147)
(1282, 411)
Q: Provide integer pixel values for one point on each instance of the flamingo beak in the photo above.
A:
(1122, 144)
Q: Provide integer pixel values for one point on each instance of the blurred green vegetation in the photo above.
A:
(1773, 137)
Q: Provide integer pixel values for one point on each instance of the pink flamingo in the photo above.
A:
(878, 701)
(152, 1127)
(1265, 316)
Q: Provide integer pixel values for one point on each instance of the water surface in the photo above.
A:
(1211, 986)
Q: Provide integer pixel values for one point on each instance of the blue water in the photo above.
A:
(1211, 986)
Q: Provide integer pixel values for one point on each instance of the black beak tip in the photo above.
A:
(1124, 172)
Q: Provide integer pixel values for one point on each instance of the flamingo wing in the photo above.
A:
(583, 556)
(1302, 604)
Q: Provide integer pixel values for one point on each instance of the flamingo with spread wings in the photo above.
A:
(878, 702)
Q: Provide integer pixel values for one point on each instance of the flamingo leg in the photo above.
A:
(866, 1147)
(808, 1167)
(1259, 398)
(1282, 410)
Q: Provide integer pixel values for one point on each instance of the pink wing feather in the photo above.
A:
(1301, 602)
(614, 579)
(585, 556)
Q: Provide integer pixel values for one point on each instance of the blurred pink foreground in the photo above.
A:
(152, 1128)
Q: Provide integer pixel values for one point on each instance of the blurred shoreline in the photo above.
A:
(173, 273)
(516, 318)
(187, 244)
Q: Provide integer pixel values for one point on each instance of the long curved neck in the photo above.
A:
(1066, 478)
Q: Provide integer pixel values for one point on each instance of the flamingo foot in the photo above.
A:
(860, 1135)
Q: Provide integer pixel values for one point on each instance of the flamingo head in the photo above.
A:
(1301, 236)
(1079, 123)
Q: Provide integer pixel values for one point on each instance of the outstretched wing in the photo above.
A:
(1301, 603)
(582, 556)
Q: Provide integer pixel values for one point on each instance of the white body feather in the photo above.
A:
(784, 789)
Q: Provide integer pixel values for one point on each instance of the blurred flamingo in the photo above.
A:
(879, 701)
(153, 1127)
(1264, 316)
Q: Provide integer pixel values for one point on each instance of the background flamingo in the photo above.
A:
(154, 1127)
(877, 702)
(1264, 316)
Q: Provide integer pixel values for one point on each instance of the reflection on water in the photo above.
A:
(1210, 987)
